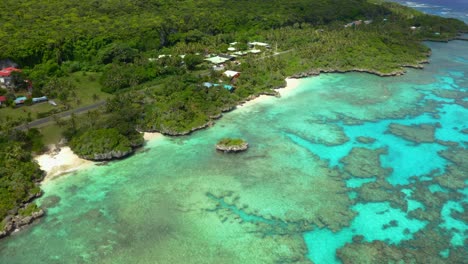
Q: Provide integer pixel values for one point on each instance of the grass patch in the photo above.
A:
(88, 88)
(88, 91)
(231, 142)
(52, 133)
(29, 209)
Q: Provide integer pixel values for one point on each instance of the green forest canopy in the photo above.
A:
(33, 32)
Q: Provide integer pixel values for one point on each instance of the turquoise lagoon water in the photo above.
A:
(298, 195)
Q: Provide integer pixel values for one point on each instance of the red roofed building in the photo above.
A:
(5, 75)
(3, 100)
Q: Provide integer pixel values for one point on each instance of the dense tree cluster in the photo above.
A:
(34, 32)
(101, 142)
(18, 172)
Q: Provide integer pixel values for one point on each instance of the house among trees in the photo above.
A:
(5, 75)
(225, 86)
(256, 44)
(20, 100)
(227, 56)
(231, 74)
(355, 23)
(217, 60)
(240, 53)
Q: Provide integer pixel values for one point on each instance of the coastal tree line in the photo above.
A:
(120, 41)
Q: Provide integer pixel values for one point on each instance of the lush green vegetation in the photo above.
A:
(29, 209)
(100, 141)
(104, 131)
(18, 172)
(164, 93)
(231, 142)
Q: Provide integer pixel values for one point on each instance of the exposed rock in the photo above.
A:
(169, 132)
(228, 109)
(16, 222)
(107, 156)
(218, 116)
(236, 148)
(316, 72)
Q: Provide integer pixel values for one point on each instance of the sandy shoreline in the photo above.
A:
(65, 161)
(290, 85)
(151, 135)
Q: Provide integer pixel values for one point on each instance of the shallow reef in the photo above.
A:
(323, 182)
(421, 133)
(363, 162)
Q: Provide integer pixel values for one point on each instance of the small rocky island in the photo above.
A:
(232, 145)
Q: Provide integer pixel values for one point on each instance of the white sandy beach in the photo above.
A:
(55, 164)
(150, 135)
(259, 99)
(290, 85)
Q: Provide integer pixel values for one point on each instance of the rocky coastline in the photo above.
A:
(15, 221)
(316, 72)
(210, 123)
(111, 155)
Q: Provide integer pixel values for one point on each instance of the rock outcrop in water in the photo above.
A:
(16, 221)
(108, 155)
(232, 145)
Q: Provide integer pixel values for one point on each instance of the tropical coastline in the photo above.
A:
(57, 162)
(348, 144)
(60, 161)
(96, 191)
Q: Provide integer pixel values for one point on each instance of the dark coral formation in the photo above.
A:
(365, 163)
(458, 156)
(422, 133)
(365, 140)
(320, 133)
(417, 250)
(450, 94)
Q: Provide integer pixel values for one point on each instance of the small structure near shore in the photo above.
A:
(232, 145)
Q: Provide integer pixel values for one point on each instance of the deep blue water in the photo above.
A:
(446, 8)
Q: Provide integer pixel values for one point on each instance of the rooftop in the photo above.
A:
(231, 74)
(6, 72)
(217, 60)
(261, 44)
